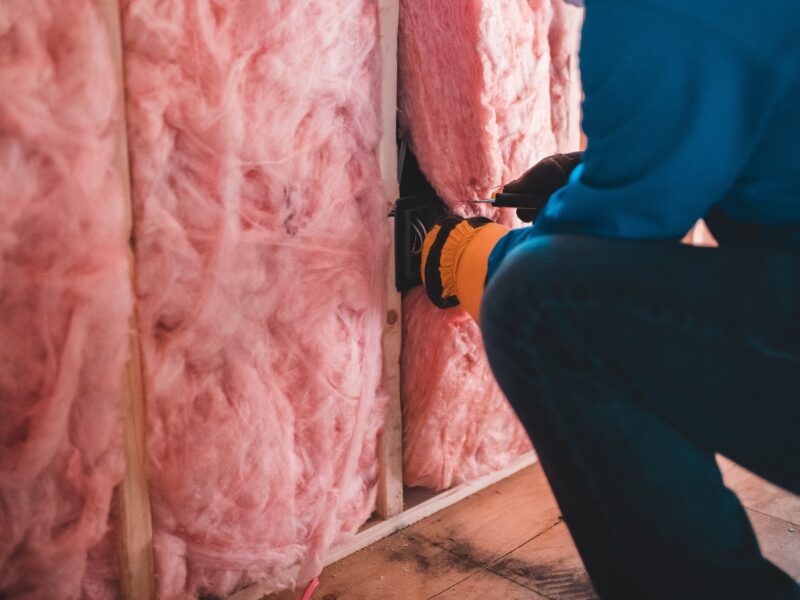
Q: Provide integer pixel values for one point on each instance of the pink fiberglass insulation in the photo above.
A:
(458, 425)
(260, 244)
(486, 90)
(65, 299)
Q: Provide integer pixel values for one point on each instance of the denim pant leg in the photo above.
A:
(630, 364)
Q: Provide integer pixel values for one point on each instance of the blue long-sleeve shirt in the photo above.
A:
(691, 109)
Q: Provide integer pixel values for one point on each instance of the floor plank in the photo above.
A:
(508, 542)
(485, 585)
(760, 495)
(399, 566)
(725, 464)
(779, 541)
(496, 520)
(548, 564)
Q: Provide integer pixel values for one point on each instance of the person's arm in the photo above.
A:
(670, 116)
(455, 253)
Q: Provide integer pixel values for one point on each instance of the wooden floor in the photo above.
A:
(508, 542)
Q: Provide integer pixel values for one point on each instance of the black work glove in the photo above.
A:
(542, 179)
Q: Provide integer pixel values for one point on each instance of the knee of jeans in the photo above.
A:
(516, 289)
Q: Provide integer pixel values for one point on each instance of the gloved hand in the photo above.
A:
(455, 260)
(455, 252)
(543, 179)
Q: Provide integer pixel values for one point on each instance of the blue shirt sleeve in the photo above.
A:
(672, 111)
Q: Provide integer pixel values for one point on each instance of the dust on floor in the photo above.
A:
(508, 541)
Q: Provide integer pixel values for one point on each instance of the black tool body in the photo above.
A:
(415, 213)
(418, 208)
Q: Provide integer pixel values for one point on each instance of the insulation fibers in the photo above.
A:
(458, 424)
(65, 300)
(260, 244)
(485, 89)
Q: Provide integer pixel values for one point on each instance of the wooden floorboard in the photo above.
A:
(508, 542)
(779, 540)
(548, 564)
(496, 520)
(774, 514)
(399, 566)
(420, 503)
(762, 496)
(485, 584)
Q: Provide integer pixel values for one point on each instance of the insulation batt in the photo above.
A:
(485, 92)
(260, 244)
(65, 300)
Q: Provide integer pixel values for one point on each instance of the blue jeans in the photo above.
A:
(630, 364)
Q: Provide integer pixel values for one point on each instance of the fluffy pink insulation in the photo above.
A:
(65, 299)
(260, 244)
(487, 88)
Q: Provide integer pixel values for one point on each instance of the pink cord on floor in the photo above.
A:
(310, 589)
